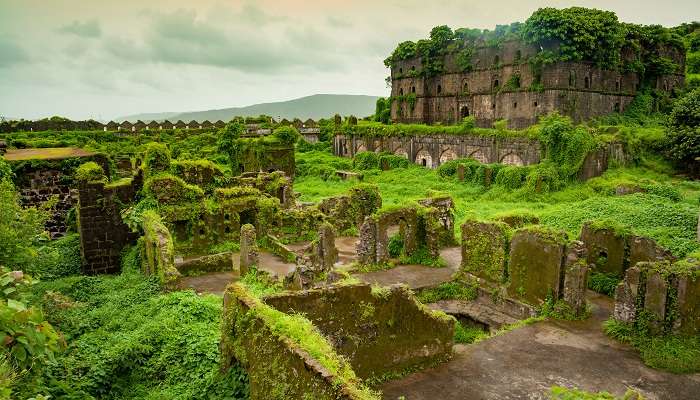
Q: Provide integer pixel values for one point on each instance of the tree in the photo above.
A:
(684, 132)
(287, 135)
(228, 141)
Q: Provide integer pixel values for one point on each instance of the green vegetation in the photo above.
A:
(468, 334)
(454, 290)
(562, 393)
(603, 283)
(677, 354)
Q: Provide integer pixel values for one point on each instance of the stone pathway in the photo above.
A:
(526, 362)
(416, 276)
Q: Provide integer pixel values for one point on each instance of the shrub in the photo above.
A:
(395, 246)
(468, 334)
(156, 158)
(19, 227)
(393, 161)
(5, 170)
(511, 177)
(365, 160)
(543, 178)
(90, 172)
(454, 290)
(288, 135)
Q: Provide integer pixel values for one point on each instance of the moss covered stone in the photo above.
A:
(485, 249)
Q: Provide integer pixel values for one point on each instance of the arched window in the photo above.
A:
(493, 106)
(617, 86)
(400, 70)
(535, 104)
(518, 55)
(413, 67)
(413, 89)
(496, 60)
(496, 84)
(572, 78)
(515, 105)
(465, 87)
(439, 89)
(464, 112)
(400, 91)
(616, 108)
(587, 82)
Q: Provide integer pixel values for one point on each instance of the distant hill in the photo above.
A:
(315, 107)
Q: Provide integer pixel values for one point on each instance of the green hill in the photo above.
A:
(315, 107)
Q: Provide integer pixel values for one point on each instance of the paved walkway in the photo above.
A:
(526, 362)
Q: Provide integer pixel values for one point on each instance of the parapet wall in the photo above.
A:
(379, 331)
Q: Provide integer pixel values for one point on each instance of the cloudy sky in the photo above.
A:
(102, 59)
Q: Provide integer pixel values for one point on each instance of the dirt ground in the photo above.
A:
(417, 276)
(526, 362)
(55, 153)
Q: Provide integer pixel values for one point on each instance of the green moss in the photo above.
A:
(454, 290)
(90, 172)
(169, 189)
(156, 159)
(619, 229)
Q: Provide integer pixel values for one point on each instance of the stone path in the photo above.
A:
(526, 362)
(417, 276)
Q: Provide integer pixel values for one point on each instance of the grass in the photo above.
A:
(672, 223)
(603, 283)
(468, 334)
(454, 290)
(677, 354)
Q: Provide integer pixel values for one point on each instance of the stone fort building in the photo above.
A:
(502, 84)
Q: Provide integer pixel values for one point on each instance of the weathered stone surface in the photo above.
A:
(249, 248)
(645, 249)
(367, 243)
(379, 333)
(606, 249)
(407, 219)
(440, 222)
(484, 250)
(326, 252)
(655, 299)
(576, 277)
(688, 322)
(626, 296)
(460, 173)
(536, 264)
(210, 263)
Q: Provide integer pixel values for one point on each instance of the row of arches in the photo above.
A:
(424, 158)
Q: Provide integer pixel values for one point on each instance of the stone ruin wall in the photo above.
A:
(577, 89)
(103, 234)
(47, 180)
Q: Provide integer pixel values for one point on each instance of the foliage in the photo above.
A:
(468, 334)
(27, 340)
(562, 393)
(365, 160)
(684, 131)
(227, 142)
(565, 144)
(602, 282)
(454, 290)
(90, 172)
(5, 170)
(287, 135)
(393, 161)
(20, 228)
(156, 158)
(512, 176)
(395, 246)
(382, 111)
(127, 340)
(677, 354)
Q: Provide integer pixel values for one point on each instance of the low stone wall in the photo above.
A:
(210, 263)
(536, 264)
(380, 332)
(665, 296)
(285, 356)
(103, 234)
(613, 251)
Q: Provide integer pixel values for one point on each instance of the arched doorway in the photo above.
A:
(512, 159)
(464, 112)
(423, 158)
(479, 156)
(447, 155)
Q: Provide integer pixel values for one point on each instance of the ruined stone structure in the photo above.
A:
(613, 252)
(353, 319)
(103, 234)
(502, 84)
(40, 179)
(249, 249)
(666, 295)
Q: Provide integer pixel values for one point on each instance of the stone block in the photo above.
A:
(535, 268)
(688, 322)
(626, 296)
(655, 299)
(249, 249)
(484, 250)
(642, 249)
(576, 277)
(367, 243)
(606, 249)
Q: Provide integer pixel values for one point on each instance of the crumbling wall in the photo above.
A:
(249, 249)
(373, 246)
(665, 296)
(485, 247)
(285, 357)
(348, 211)
(103, 234)
(439, 222)
(159, 250)
(379, 331)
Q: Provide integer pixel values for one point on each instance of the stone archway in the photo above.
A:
(479, 156)
(424, 158)
(360, 148)
(512, 159)
(464, 111)
(447, 155)
(377, 146)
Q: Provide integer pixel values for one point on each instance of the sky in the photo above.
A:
(103, 59)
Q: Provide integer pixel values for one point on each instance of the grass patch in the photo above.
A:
(468, 334)
(604, 283)
(454, 290)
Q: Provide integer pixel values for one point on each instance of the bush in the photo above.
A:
(603, 283)
(365, 160)
(19, 228)
(156, 158)
(684, 132)
(468, 334)
(395, 246)
(393, 161)
(543, 178)
(57, 259)
(90, 172)
(288, 135)
(454, 290)
(511, 177)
